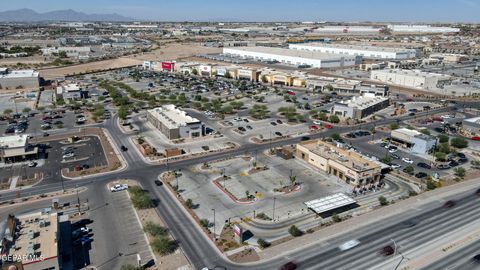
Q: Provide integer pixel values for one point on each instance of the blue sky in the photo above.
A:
(270, 10)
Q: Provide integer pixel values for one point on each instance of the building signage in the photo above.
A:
(237, 230)
(167, 66)
(243, 72)
(204, 68)
(221, 71)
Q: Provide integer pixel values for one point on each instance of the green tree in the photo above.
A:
(442, 138)
(162, 245)
(26, 110)
(7, 111)
(294, 231)
(262, 243)
(460, 172)
(336, 218)
(189, 203)
(387, 160)
(336, 136)
(394, 126)
(440, 156)
(459, 142)
(123, 112)
(204, 222)
(194, 71)
(425, 131)
(409, 169)
(334, 119)
(431, 185)
(264, 79)
(383, 201)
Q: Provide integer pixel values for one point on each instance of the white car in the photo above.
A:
(119, 187)
(68, 155)
(317, 122)
(407, 160)
(32, 164)
(349, 245)
(238, 119)
(395, 166)
(392, 150)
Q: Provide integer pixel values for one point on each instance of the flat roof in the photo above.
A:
(352, 160)
(363, 101)
(24, 73)
(329, 203)
(172, 117)
(290, 52)
(475, 120)
(410, 72)
(13, 141)
(355, 47)
(38, 234)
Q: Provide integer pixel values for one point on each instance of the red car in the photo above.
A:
(314, 127)
(291, 93)
(328, 126)
(476, 138)
(289, 266)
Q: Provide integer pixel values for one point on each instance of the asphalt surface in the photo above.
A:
(434, 220)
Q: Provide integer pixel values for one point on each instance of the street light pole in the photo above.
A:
(273, 214)
(395, 253)
(214, 235)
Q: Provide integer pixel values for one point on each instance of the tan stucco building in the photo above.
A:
(349, 166)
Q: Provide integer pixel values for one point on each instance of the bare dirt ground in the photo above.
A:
(51, 73)
(171, 51)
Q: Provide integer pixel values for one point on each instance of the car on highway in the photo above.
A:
(387, 250)
(123, 148)
(424, 165)
(476, 258)
(158, 183)
(289, 266)
(279, 121)
(407, 160)
(273, 123)
(349, 245)
(305, 138)
(119, 187)
(278, 133)
(449, 204)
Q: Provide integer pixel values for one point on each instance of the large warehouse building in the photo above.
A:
(372, 52)
(410, 78)
(360, 107)
(175, 123)
(349, 166)
(19, 79)
(292, 57)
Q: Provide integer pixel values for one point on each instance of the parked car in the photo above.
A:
(395, 156)
(279, 121)
(158, 182)
(119, 187)
(407, 160)
(421, 175)
(273, 123)
(32, 164)
(395, 166)
(278, 133)
(68, 155)
(424, 165)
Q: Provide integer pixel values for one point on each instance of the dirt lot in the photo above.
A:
(176, 51)
(98, 65)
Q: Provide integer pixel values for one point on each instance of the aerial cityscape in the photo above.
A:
(251, 135)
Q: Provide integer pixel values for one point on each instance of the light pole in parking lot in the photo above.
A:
(273, 214)
(214, 235)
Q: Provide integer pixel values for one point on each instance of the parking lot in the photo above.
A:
(196, 183)
(56, 156)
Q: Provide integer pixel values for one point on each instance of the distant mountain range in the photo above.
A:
(68, 15)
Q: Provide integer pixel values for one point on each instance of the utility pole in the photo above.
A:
(63, 185)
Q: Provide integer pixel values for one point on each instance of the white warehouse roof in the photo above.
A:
(329, 203)
(352, 47)
(20, 73)
(285, 52)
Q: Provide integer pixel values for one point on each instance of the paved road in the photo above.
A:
(201, 252)
(459, 260)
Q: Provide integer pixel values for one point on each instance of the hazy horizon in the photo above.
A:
(426, 11)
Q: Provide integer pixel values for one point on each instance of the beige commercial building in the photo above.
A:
(349, 166)
(31, 241)
(175, 123)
